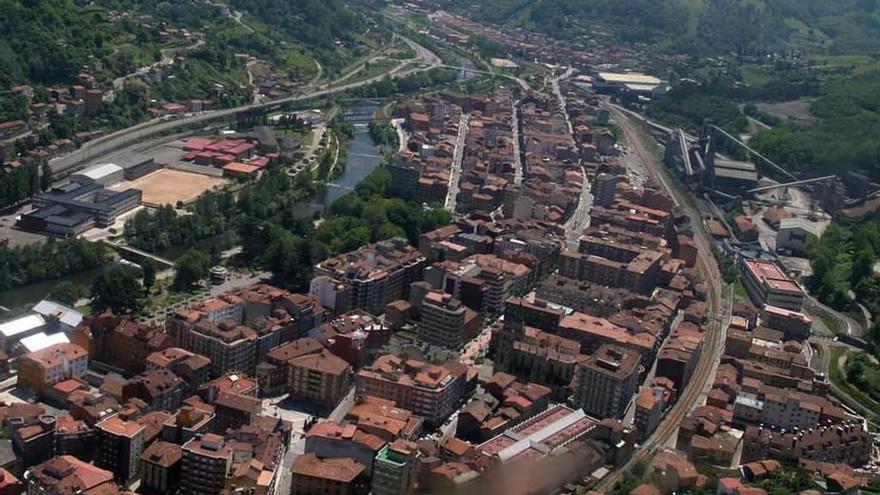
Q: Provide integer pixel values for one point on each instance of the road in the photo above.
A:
(100, 147)
(166, 59)
(580, 218)
(457, 157)
(517, 156)
(713, 342)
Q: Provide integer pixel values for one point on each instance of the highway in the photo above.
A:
(713, 343)
(100, 147)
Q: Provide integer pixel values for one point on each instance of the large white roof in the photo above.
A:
(40, 341)
(815, 228)
(21, 325)
(65, 315)
(100, 171)
(631, 78)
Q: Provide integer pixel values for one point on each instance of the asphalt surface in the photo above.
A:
(102, 146)
(713, 343)
(457, 157)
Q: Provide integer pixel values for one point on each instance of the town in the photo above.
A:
(524, 284)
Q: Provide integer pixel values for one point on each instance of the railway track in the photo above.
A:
(719, 305)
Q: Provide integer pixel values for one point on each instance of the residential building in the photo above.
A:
(161, 390)
(446, 322)
(605, 382)
(432, 392)
(371, 277)
(604, 189)
(650, 404)
(395, 469)
(120, 446)
(65, 474)
(42, 369)
(847, 444)
(206, 462)
(160, 467)
(231, 348)
(329, 439)
(793, 324)
(314, 476)
(320, 378)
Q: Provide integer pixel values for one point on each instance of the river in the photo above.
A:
(363, 158)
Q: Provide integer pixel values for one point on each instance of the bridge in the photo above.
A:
(122, 248)
(746, 147)
(791, 184)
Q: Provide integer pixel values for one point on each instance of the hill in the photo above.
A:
(701, 26)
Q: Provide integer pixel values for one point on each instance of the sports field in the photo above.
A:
(167, 186)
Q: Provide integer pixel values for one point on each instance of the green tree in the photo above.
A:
(66, 293)
(149, 275)
(191, 267)
(117, 289)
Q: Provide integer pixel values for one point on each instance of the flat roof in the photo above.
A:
(631, 77)
(64, 314)
(100, 171)
(41, 340)
(21, 325)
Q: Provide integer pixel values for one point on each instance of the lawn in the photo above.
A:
(838, 378)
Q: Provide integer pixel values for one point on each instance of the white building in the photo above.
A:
(14, 330)
(105, 173)
(794, 233)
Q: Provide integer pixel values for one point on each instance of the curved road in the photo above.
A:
(125, 137)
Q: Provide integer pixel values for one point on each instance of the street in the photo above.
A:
(99, 147)
(713, 343)
(457, 157)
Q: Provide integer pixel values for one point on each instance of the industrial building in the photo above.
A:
(105, 174)
(633, 82)
(795, 232)
(70, 210)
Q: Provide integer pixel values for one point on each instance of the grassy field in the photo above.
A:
(838, 378)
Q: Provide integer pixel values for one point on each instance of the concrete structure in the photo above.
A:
(120, 446)
(395, 469)
(206, 462)
(320, 378)
(105, 174)
(446, 322)
(766, 283)
(605, 381)
(72, 209)
(432, 392)
(42, 369)
(794, 233)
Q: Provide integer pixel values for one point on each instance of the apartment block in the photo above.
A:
(432, 392)
(320, 378)
(446, 322)
(605, 382)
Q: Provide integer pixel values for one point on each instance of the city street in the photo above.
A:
(457, 157)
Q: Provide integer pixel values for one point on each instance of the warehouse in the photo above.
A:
(105, 174)
(615, 83)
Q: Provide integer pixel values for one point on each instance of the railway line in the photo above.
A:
(719, 303)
